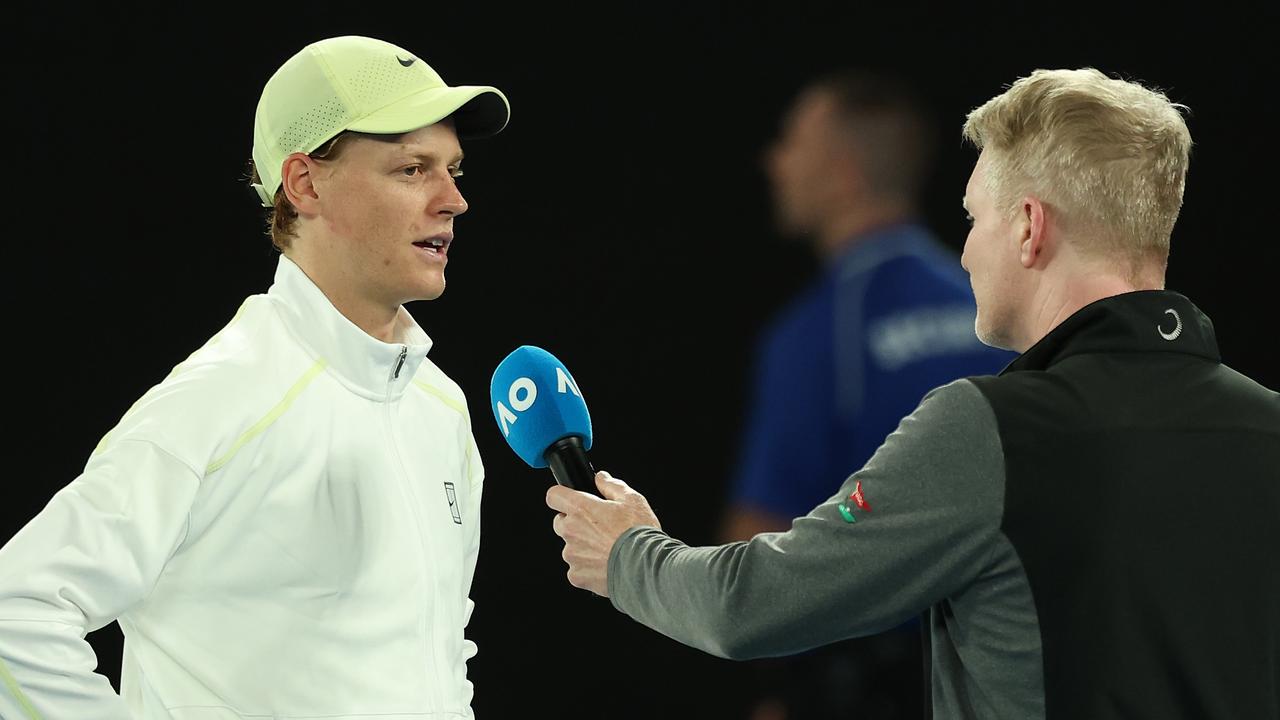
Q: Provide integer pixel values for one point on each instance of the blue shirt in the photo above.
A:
(889, 320)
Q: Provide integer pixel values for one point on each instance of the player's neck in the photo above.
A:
(376, 319)
(380, 319)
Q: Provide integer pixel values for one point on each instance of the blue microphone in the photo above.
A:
(540, 411)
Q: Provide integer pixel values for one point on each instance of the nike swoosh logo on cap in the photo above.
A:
(407, 63)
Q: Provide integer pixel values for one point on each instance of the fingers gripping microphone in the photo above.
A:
(540, 412)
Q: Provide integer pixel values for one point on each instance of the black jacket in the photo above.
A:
(1142, 493)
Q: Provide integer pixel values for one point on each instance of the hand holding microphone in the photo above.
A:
(541, 413)
(590, 526)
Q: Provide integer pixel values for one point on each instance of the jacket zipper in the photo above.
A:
(434, 699)
(404, 352)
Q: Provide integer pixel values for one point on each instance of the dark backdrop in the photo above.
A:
(620, 222)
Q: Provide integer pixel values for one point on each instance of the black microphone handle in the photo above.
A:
(569, 464)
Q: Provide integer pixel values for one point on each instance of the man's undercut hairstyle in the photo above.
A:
(1108, 156)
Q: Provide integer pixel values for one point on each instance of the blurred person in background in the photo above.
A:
(889, 318)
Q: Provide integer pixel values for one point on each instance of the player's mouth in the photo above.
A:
(436, 246)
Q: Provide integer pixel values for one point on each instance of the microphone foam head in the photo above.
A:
(536, 402)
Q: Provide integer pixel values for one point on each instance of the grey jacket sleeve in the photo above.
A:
(925, 524)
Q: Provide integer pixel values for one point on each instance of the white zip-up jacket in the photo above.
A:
(285, 527)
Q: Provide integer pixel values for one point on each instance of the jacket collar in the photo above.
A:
(360, 361)
(1144, 321)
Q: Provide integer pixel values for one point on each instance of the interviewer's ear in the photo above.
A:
(297, 176)
(1032, 227)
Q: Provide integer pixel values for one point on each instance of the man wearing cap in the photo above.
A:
(288, 524)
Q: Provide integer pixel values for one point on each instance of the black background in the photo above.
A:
(621, 222)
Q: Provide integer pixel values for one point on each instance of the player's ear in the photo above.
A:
(297, 178)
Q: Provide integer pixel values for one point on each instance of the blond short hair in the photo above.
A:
(1109, 155)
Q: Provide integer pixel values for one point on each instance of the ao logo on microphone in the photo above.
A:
(537, 403)
(523, 393)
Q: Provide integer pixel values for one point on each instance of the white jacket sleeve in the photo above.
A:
(95, 551)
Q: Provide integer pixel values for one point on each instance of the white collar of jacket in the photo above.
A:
(366, 365)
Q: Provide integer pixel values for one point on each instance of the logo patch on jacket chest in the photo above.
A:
(453, 502)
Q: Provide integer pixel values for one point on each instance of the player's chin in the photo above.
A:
(421, 284)
(431, 289)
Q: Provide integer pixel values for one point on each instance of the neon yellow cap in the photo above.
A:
(364, 85)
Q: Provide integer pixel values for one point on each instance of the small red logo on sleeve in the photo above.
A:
(858, 498)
